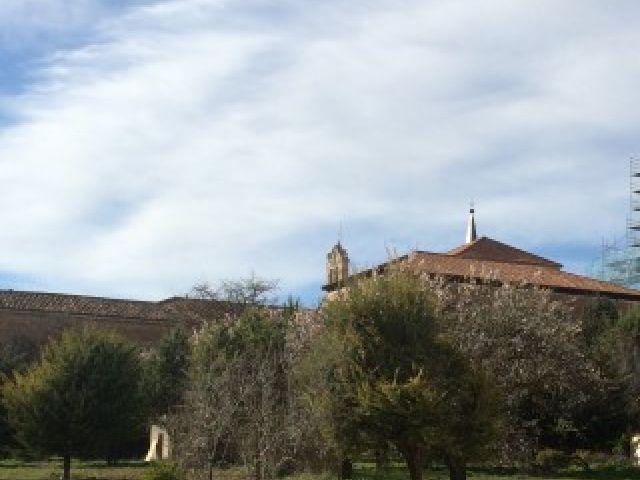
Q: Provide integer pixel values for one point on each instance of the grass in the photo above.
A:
(400, 473)
(80, 470)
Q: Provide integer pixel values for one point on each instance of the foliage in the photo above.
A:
(16, 354)
(163, 471)
(531, 344)
(165, 375)
(549, 460)
(399, 382)
(628, 340)
(241, 403)
(598, 317)
(81, 399)
(614, 347)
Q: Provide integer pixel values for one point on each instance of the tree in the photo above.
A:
(16, 354)
(617, 350)
(598, 317)
(81, 399)
(609, 410)
(628, 334)
(400, 382)
(249, 291)
(202, 427)
(237, 402)
(165, 375)
(532, 345)
(243, 401)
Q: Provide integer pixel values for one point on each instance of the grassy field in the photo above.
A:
(400, 473)
(17, 470)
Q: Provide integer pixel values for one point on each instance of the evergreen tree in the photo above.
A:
(165, 375)
(81, 399)
(16, 354)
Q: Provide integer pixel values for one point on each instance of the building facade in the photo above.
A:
(487, 260)
(40, 316)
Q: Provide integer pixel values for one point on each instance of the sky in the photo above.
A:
(146, 146)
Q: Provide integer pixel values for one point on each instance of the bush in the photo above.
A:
(617, 463)
(549, 460)
(587, 459)
(164, 471)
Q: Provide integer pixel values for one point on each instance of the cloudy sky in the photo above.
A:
(149, 145)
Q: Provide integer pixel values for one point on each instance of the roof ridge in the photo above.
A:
(493, 260)
(459, 251)
(464, 247)
(76, 295)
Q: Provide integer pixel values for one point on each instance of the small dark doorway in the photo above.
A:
(159, 445)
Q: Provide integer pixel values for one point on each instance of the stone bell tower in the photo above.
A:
(337, 265)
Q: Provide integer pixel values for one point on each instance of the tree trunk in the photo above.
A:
(457, 468)
(346, 468)
(414, 456)
(257, 467)
(382, 458)
(67, 467)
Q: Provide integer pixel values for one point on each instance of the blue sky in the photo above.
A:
(147, 146)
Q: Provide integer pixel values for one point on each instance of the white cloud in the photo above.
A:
(203, 139)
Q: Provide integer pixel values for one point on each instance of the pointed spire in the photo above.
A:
(471, 226)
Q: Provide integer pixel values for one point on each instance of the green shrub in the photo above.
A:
(286, 468)
(164, 471)
(549, 460)
(622, 446)
(588, 460)
(617, 463)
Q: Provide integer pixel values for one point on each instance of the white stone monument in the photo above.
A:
(159, 447)
(635, 450)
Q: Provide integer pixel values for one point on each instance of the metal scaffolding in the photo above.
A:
(619, 261)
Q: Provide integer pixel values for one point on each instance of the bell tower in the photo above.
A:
(337, 265)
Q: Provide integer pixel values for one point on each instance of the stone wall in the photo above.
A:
(41, 326)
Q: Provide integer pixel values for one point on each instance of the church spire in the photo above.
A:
(471, 226)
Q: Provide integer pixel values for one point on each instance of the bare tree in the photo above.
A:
(203, 428)
(242, 404)
(252, 290)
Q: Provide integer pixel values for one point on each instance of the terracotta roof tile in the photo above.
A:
(517, 273)
(488, 249)
(170, 309)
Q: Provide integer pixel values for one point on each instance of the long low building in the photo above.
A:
(40, 316)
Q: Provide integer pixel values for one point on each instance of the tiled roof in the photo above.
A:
(488, 249)
(516, 273)
(170, 309)
(198, 310)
